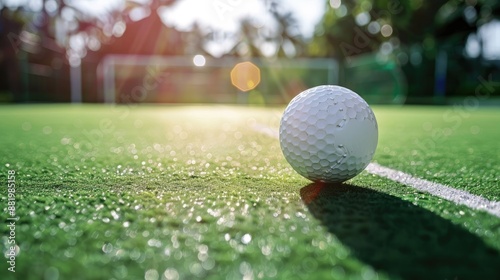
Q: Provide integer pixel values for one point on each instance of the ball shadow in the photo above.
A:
(398, 237)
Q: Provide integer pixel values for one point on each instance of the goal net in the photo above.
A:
(378, 81)
(182, 79)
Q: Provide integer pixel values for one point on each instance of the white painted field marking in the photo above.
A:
(442, 191)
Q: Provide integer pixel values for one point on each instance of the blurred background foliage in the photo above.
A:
(437, 47)
(414, 32)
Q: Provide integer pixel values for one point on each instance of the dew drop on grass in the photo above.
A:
(266, 250)
(115, 215)
(178, 254)
(107, 248)
(135, 255)
(167, 252)
(154, 243)
(37, 235)
(208, 264)
(151, 274)
(246, 270)
(65, 141)
(196, 269)
(171, 274)
(246, 238)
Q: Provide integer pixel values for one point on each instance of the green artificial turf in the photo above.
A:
(456, 146)
(187, 192)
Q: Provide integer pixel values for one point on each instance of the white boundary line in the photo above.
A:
(443, 191)
(439, 190)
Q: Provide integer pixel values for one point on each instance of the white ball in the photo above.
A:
(328, 134)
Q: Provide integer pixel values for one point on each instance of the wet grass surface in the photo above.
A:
(185, 192)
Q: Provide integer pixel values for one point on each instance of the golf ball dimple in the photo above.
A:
(328, 133)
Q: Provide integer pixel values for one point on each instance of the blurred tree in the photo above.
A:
(71, 26)
(415, 32)
(352, 27)
(291, 41)
(248, 40)
(40, 39)
(11, 25)
(280, 38)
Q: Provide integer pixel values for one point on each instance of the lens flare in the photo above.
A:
(245, 76)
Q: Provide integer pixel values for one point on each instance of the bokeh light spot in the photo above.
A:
(245, 76)
(335, 3)
(386, 30)
(199, 60)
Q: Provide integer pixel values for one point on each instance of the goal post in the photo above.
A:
(199, 79)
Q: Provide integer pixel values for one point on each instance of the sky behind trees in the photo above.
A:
(221, 14)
